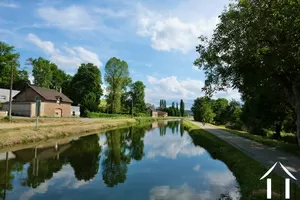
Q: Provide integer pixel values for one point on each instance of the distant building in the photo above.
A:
(155, 113)
(4, 95)
(75, 111)
(53, 103)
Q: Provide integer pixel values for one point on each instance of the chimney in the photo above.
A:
(59, 90)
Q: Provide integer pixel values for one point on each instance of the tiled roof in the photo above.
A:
(51, 95)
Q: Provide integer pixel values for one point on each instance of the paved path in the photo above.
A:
(266, 155)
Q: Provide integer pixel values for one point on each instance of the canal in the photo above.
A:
(159, 161)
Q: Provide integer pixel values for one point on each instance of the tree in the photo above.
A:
(181, 108)
(202, 110)
(42, 71)
(58, 77)
(138, 94)
(86, 88)
(117, 76)
(255, 45)
(219, 108)
(8, 58)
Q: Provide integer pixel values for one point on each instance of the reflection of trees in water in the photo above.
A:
(173, 125)
(115, 161)
(84, 156)
(181, 129)
(122, 146)
(7, 167)
(45, 171)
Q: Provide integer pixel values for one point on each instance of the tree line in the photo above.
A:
(172, 110)
(85, 88)
(255, 48)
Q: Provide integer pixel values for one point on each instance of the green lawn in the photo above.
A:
(288, 147)
(246, 170)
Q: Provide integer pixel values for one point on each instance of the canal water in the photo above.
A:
(159, 161)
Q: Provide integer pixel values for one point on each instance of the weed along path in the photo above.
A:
(266, 155)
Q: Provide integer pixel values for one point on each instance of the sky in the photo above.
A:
(157, 39)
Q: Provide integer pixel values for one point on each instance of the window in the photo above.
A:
(2, 97)
(58, 100)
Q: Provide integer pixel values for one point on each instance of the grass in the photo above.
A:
(287, 147)
(105, 115)
(246, 170)
(25, 135)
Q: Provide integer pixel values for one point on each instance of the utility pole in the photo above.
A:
(10, 92)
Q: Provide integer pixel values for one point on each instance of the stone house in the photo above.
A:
(53, 103)
(156, 113)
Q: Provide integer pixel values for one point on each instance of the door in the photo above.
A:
(58, 112)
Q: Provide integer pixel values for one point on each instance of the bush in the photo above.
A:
(141, 114)
(105, 115)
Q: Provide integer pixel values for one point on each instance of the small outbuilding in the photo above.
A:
(53, 103)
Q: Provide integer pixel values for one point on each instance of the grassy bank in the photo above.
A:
(25, 135)
(290, 148)
(22, 131)
(246, 170)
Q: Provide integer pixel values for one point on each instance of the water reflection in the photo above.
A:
(157, 161)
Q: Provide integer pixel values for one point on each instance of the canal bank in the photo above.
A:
(23, 133)
(247, 170)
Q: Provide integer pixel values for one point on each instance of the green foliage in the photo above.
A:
(202, 110)
(138, 93)
(9, 58)
(255, 48)
(117, 77)
(86, 88)
(104, 115)
(181, 108)
(42, 72)
(220, 109)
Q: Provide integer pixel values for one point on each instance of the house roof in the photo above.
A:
(50, 95)
(161, 112)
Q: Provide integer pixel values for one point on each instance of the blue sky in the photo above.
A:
(156, 38)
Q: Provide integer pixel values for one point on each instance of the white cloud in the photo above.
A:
(73, 17)
(195, 68)
(196, 168)
(8, 5)
(228, 94)
(172, 89)
(111, 13)
(170, 146)
(67, 57)
(169, 32)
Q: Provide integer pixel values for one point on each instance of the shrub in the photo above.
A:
(105, 115)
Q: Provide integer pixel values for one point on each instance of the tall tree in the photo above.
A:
(255, 44)
(181, 107)
(117, 76)
(138, 94)
(86, 88)
(58, 77)
(42, 71)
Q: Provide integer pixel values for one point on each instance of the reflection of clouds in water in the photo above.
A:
(61, 179)
(170, 146)
(219, 183)
(196, 168)
(102, 140)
